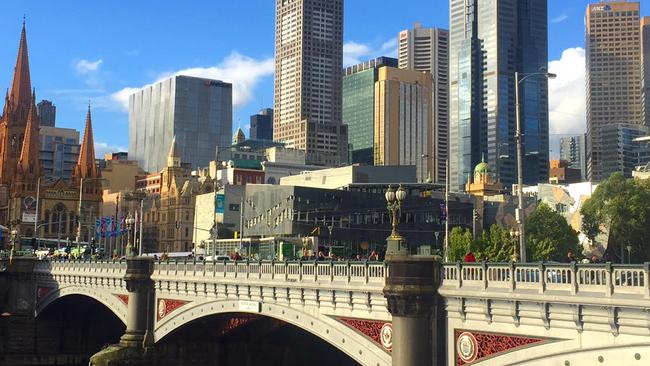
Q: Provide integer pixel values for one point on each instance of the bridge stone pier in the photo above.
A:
(408, 311)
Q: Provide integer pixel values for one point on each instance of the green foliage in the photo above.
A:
(494, 245)
(548, 235)
(460, 242)
(622, 205)
(498, 244)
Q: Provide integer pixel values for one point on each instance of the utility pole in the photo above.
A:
(447, 209)
(241, 223)
(38, 196)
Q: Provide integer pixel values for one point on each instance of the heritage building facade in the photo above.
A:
(29, 203)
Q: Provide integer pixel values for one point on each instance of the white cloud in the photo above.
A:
(242, 71)
(355, 53)
(567, 99)
(560, 18)
(102, 148)
(84, 66)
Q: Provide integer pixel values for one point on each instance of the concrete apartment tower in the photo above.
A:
(308, 63)
(427, 49)
(488, 42)
(614, 88)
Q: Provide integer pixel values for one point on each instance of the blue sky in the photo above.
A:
(102, 50)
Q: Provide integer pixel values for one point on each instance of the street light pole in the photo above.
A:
(447, 210)
(520, 216)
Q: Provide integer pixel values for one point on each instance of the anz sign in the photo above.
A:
(600, 8)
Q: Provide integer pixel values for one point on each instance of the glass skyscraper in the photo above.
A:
(262, 125)
(358, 107)
(197, 111)
(487, 45)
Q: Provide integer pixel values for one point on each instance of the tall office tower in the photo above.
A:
(46, 113)
(59, 151)
(613, 75)
(574, 150)
(403, 122)
(487, 45)
(262, 125)
(427, 49)
(197, 111)
(308, 63)
(645, 70)
(359, 105)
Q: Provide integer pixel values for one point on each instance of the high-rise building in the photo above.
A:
(46, 113)
(574, 151)
(59, 151)
(197, 111)
(427, 49)
(359, 106)
(262, 125)
(308, 63)
(403, 123)
(487, 45)
(621, 153)
(645, 70)
(614, 89)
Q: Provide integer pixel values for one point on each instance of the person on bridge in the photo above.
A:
(571, 256)
(469, 257)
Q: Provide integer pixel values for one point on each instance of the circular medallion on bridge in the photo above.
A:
(386, 336)
(466, 347)
(162, 308)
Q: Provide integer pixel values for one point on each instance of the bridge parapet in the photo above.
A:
(581, 283)
(366, 274)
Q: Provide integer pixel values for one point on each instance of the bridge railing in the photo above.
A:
(315, 272)
(595, 279)
(82, 267)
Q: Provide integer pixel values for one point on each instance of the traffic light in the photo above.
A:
(236, 234)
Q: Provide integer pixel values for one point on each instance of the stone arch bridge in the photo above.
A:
(414, 312)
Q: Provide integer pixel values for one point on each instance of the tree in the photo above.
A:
(623, 207)
(498, 244)
(549, 236)
(460, 242)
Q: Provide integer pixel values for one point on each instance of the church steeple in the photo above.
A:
(28, 163)
(86, 167)
(173, 159)
(21, 87)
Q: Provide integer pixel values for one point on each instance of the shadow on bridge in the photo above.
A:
(248, 340)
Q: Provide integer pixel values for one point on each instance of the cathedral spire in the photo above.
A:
(28, 163)
(21, 85)
(86, 167)
(173, 159)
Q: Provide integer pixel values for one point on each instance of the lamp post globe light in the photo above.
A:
(129, 224)
(519, 214)
(396, 243)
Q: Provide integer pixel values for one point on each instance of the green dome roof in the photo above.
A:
(482, 167)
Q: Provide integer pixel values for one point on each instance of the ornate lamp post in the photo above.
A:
(129, 225)
(396, 243)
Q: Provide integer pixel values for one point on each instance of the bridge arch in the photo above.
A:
(358, 347)
(109, 300)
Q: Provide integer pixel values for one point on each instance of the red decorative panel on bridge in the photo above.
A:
(166, 306)
(473, 346)
(41, 292)
(123, 298)
(378, 331)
